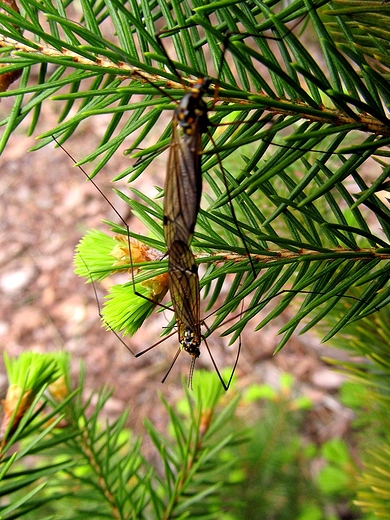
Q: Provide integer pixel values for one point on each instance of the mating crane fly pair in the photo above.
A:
(182, 196)
(183, 187)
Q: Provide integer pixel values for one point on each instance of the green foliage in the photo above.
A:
(316, 121)
(368, 395)
(65, 452)
(274, 479)
(338, 477)
(28, 424)
(374, 495)
(230, 458)
(124, 310)
(313, 115)
(370, 30)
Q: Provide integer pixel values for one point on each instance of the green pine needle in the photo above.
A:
(124, 311)
(93, 259)
(32, 370)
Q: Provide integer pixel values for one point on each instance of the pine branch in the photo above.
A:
(90, 469)
(293, 159)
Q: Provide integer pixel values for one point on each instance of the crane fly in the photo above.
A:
(185, 296)
(182, 280)
(183, 182)
(182, 196)
(183, 188)
(182, 202)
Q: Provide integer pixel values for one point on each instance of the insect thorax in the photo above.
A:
(192, 111)
(190, 342)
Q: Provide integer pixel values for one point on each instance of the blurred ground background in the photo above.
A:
(46, 206)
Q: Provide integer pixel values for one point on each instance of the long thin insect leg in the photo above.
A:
(171, 365)
(171, 64)
(123, 222)
(225, 386)
(233, 212)
(100, 311)
(155, 344)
